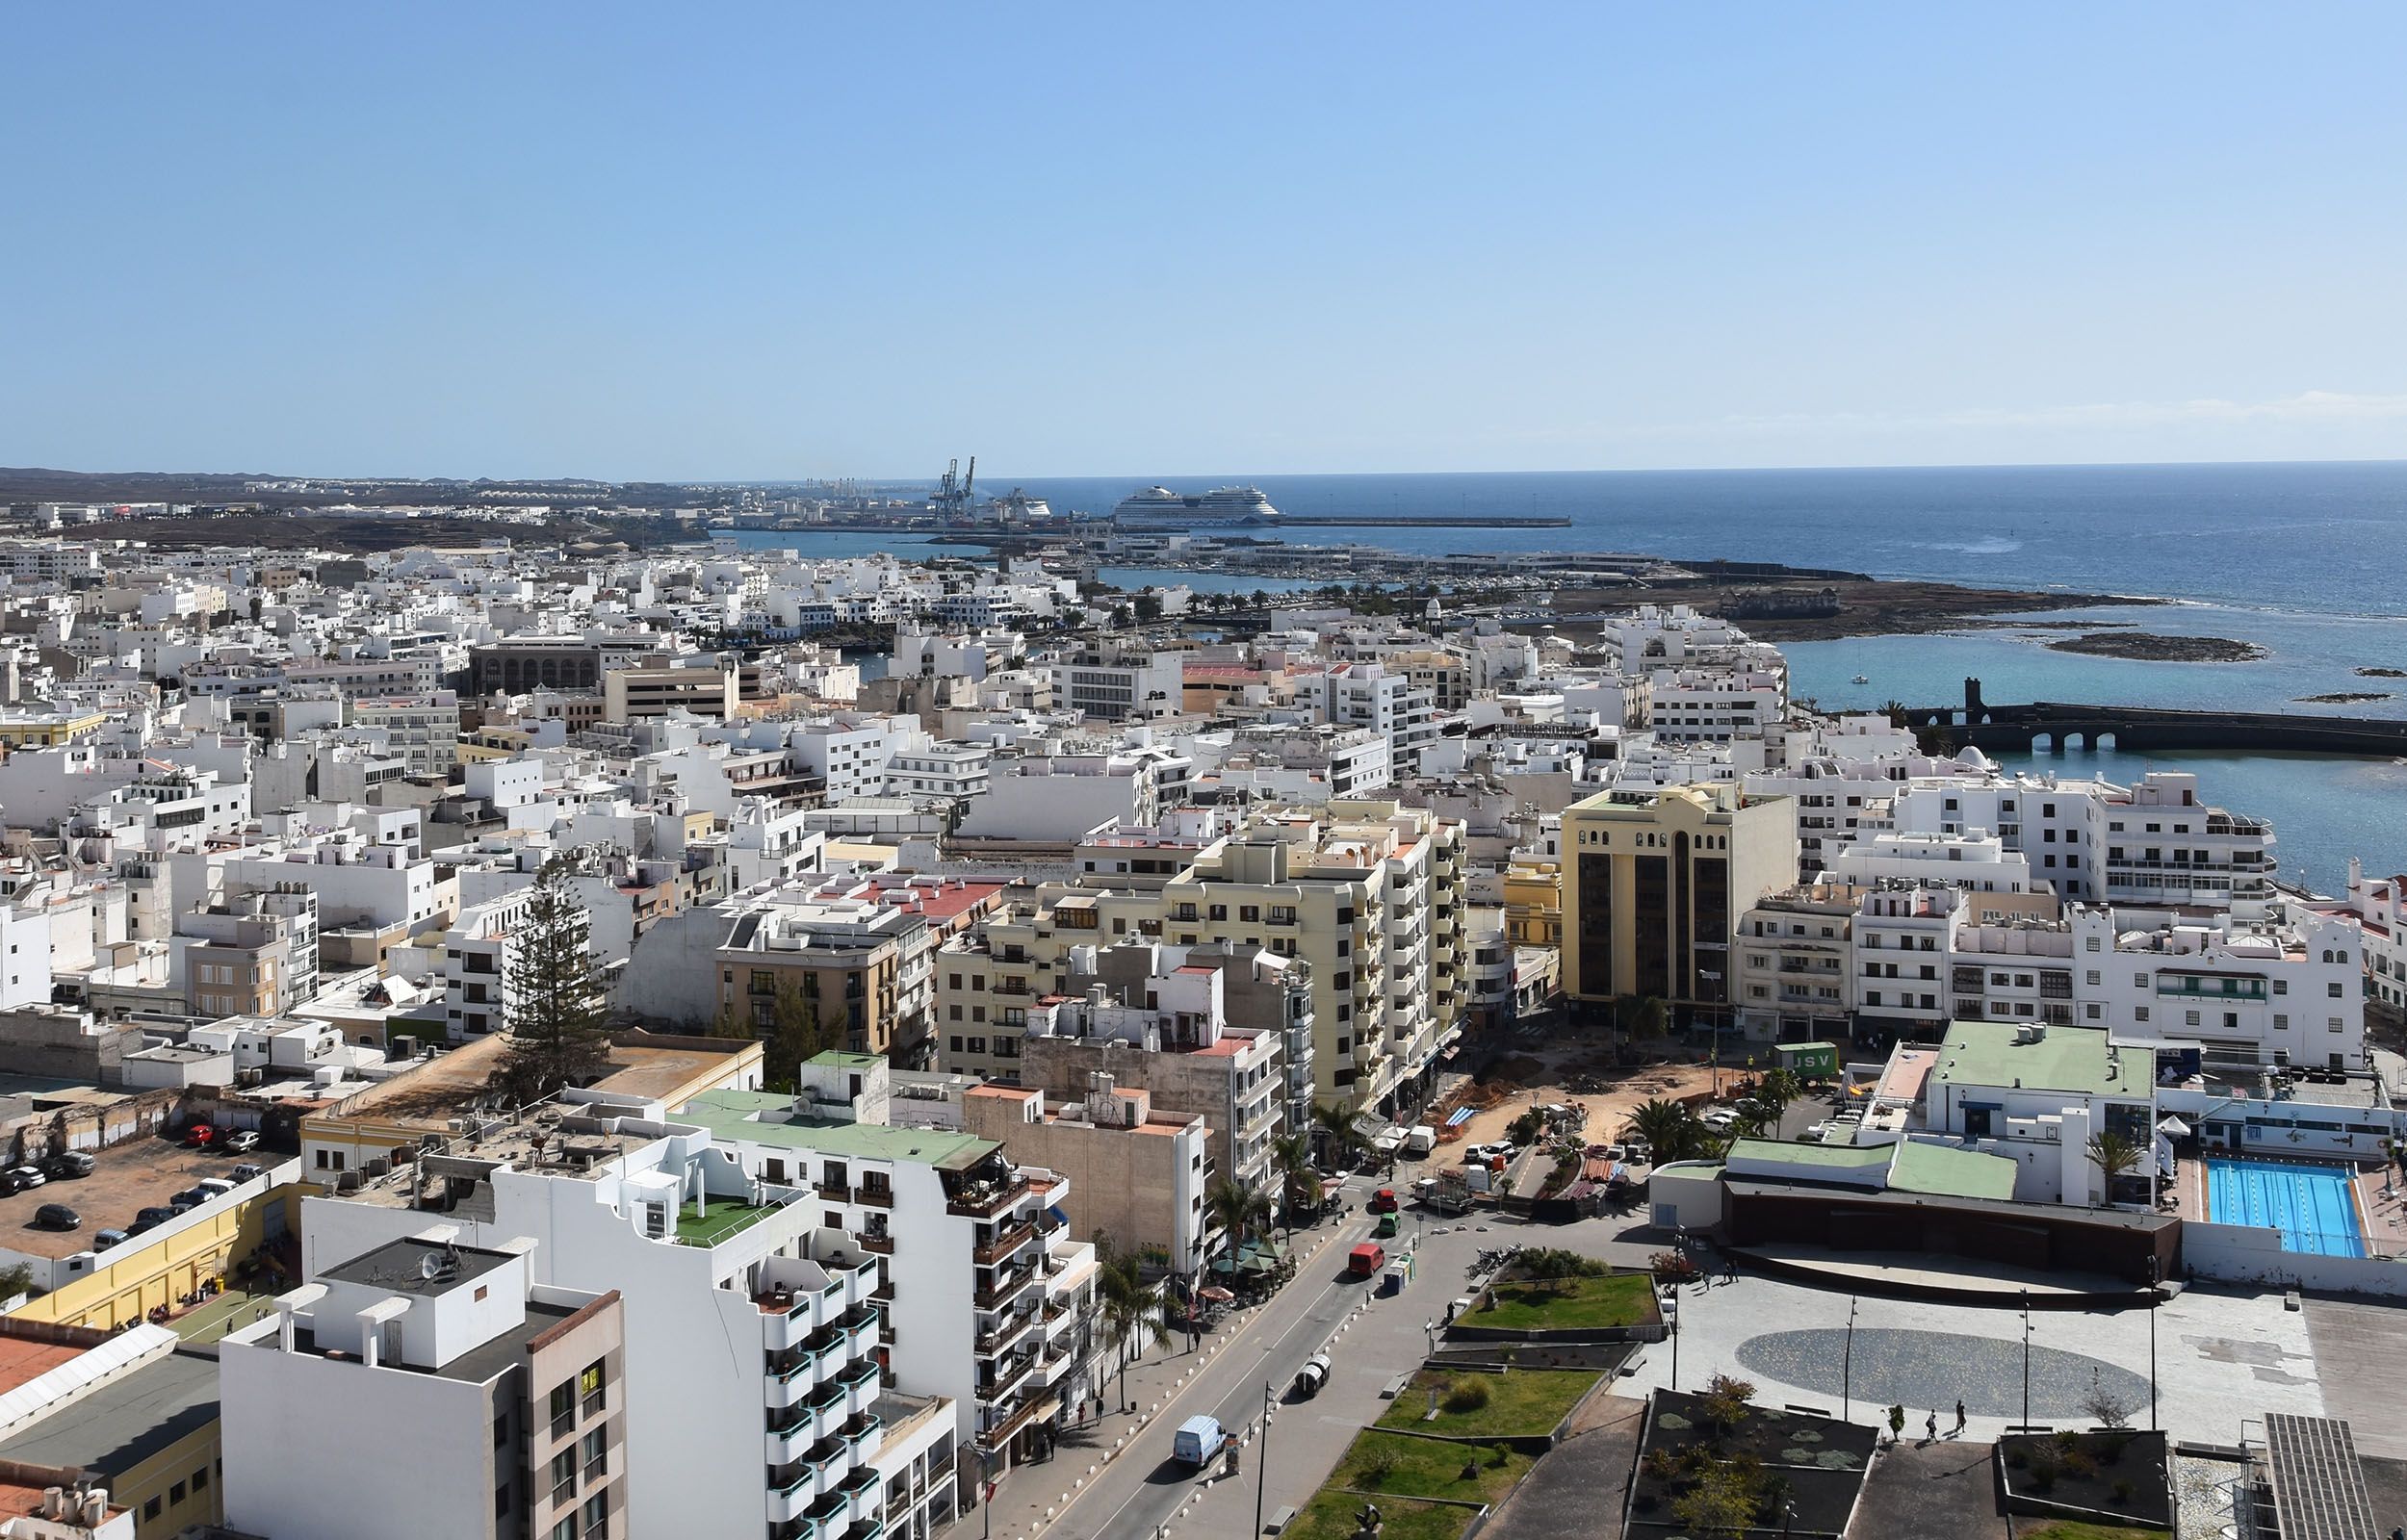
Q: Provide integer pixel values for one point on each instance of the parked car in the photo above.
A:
(247, 1173)
(103, 1240)
(240, 1142)
(200, 1135)
(17, 1178)
(210, 1187)
(69, 1165)
(1719, 1118)
(151, 1217)
(191, 1197)
(56, 1217)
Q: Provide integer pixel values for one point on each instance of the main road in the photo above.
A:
(1133, 1496)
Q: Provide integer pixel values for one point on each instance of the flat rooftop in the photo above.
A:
(767, 1118)
(427, 1269)
(122, 1422)
(2068, 1059)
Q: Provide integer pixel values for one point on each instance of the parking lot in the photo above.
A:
(126, 1178)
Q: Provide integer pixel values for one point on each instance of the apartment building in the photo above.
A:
(1204, 1031)
(1371, 894)
(756, 1339)
(1137, 1174)
(698, 689)
(1796, 964)
(1376, 696)
(1120, 681)
(862, 966)
(1654, 884)
(2253, 985)
(500, 1404)
(421, 731)
(254, 956)
(2380, 908)
(988, 1299)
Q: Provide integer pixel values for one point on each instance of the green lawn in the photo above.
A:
(1521, 1401)
(2069, 1530)
(1582, 1304)
(1329, 1516)
(719, 1219)
(1426, 1468)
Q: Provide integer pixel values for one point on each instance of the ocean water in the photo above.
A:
(2305, 536)
(2303, 559)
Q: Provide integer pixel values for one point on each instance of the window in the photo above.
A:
(597, 1452)
(565, 1529)
(176, 1494)
(563, 1410)
(2281, 1022)
(2139, 980)
(2333, 988)
(2139, 1012)
(200, 1479)
(2094, 978)
(2189, 1019)
(150, 1509)
(589, 1386)
(597, 1516)
(2281, 986)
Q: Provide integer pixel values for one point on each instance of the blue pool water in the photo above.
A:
(2309, 1204)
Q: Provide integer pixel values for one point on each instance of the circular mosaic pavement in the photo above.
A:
(1933, 1370)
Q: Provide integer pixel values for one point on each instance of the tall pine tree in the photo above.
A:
(555, 1015)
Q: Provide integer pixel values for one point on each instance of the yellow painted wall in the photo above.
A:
(137, 1278)
(195, 1453)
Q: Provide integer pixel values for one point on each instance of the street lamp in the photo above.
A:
(1847, 1366)
(1262, 1458)
(986, 1484)
(2155, 1267)
(2026, 1360)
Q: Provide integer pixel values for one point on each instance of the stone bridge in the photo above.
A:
(2057, 726)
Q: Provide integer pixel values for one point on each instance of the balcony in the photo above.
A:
(877, 1245)
(1005, 1289)
(876, 1198)
(790, 1495)
(986, 1200)
(1007, 1378)
(789, 1383)
(862, 1437)
(1005, 1333)
(1011, 1237)
(792, 1441)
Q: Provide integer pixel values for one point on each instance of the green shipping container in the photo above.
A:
(1813, 1061)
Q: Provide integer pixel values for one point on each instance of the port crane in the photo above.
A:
(952, 501)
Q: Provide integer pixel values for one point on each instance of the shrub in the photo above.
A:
(2078, 1465)
(1660, 1465)
(1377, 1464)
(1500, 1456)
(1465, 1396)
(1672, 1266)
(2122, 1491)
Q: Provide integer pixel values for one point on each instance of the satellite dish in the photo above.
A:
(429, 1265)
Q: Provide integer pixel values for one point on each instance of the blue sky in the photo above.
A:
(730, 242)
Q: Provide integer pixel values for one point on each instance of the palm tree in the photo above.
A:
(1332, 1121)
(2117, 1157)
(1670, 1127)
(1291, 1156)
(1132, 1314)
(1235, 1212)
(1646, 1018)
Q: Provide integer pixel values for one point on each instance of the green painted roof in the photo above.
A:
(2076, 1058)
(841, 1059)
(1835, 1156)
(765, 1118)
(1947, 1171)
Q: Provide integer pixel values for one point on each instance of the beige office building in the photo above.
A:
(1653, 883)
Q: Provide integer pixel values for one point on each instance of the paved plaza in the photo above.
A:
(2223, 1359)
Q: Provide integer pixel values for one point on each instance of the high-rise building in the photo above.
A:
(1654, 883)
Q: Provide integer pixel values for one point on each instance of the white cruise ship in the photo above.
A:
(1161, 506)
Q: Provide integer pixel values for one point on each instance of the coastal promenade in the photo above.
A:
(2066, 724)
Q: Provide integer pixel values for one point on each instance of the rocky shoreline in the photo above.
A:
(2150, 648)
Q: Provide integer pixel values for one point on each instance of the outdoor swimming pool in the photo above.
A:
(2311, 1205)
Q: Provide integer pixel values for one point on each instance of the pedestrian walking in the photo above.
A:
(1960, 1417)
(1931, 1427)
(1729, 1270)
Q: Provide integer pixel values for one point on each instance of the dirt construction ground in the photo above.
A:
(1537, 1073)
